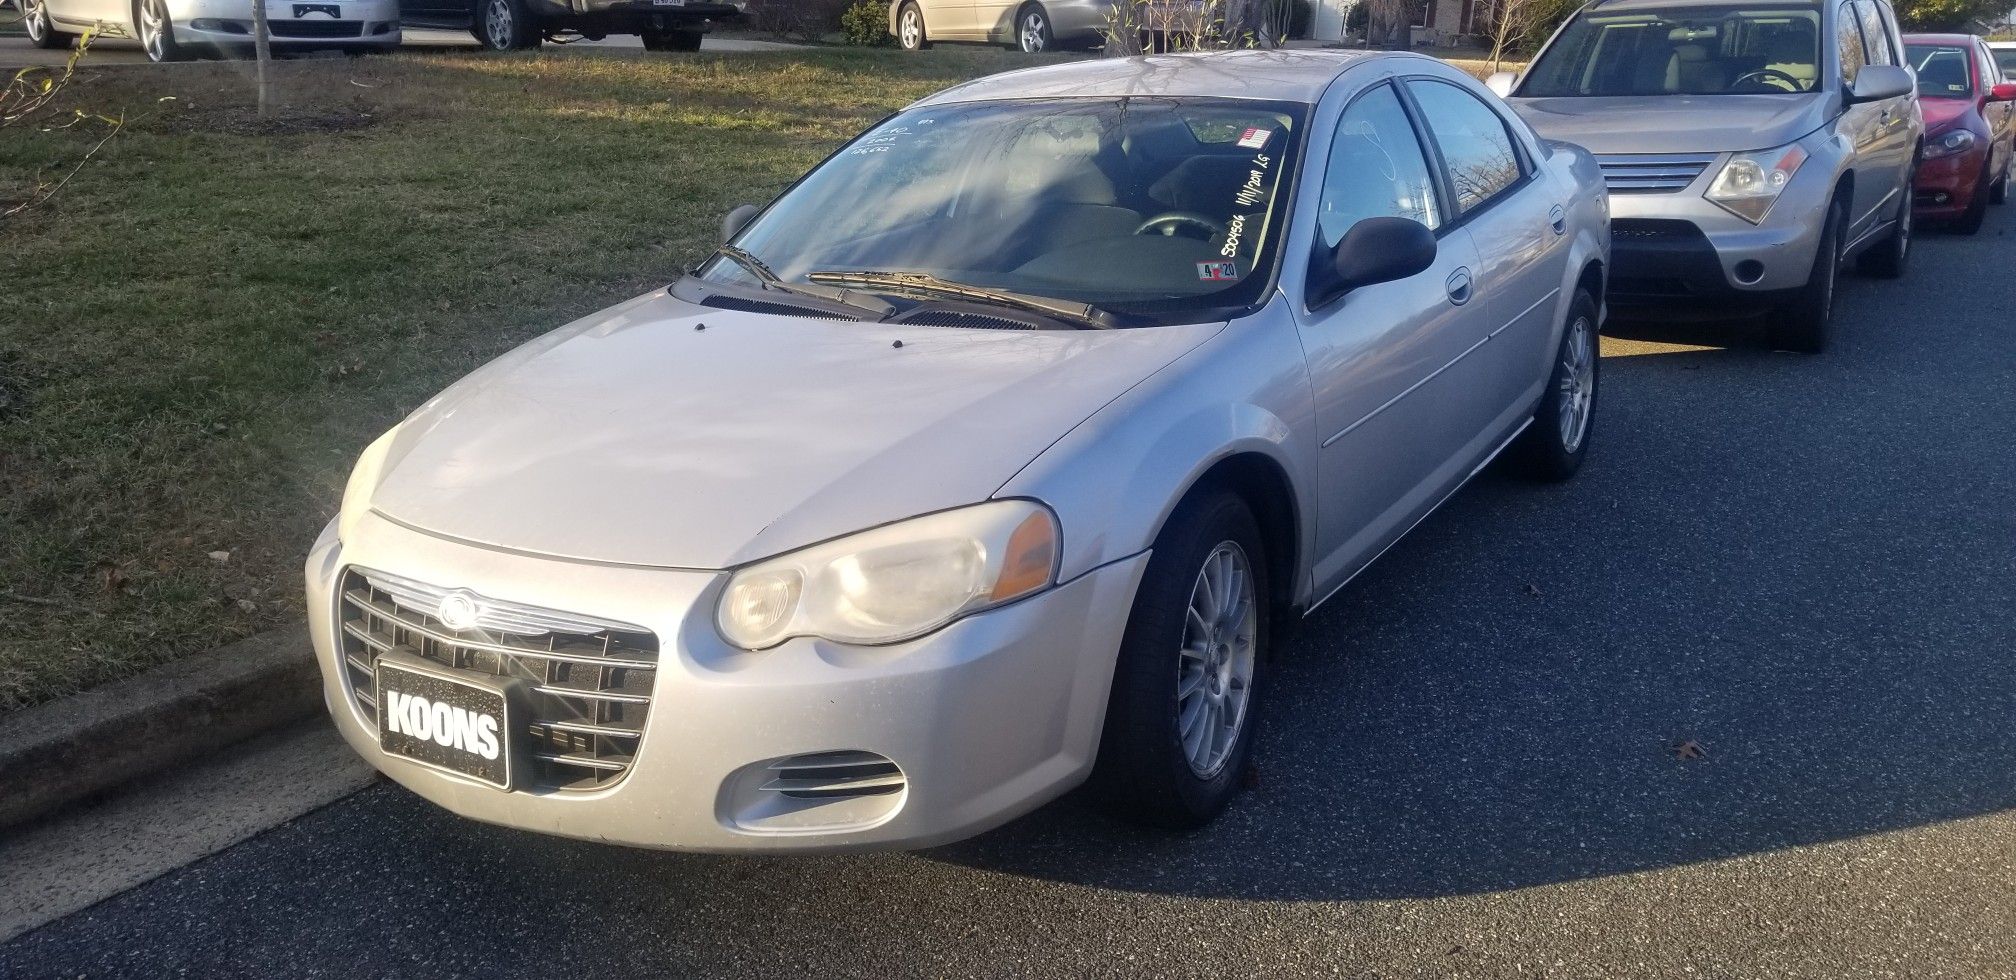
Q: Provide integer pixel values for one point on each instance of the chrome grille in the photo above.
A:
(1651, 173)
(589, 679)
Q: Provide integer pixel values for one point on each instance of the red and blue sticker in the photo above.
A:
(1218, 271)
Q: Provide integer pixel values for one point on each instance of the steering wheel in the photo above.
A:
(1763, 76)
(1167, 223)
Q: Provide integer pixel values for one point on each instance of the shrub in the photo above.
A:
(796, 20)
(866, 24)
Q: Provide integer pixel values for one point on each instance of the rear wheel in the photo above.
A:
(42, 32)
(1032, 30)
(1553, 447)
(910, 29)
(672, 40)
(1886, 259)
(1802, 325)
(505, 25)
(1181, 719)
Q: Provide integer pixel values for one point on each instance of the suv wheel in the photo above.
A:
(1553, 447)
(1803, 323)
(1180, 722)
(672, 40)
(1886, 259)
(910, 29)
(505, 25)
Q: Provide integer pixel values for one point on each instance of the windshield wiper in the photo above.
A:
(1084, 314)
(771, 280)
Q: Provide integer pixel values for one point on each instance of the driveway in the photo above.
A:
(1802, 569)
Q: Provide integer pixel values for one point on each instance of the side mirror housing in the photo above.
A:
(1877, 82)
(2005, 92)
(1375, 250)
(732, 224)
(1500, 84)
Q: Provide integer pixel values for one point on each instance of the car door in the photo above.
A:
(1517, 220)
(991, 19)
(1394, 390)
(1860, 124)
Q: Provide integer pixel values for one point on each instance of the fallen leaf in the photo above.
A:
(247, 606)
(220, 556)
(1690, 749)
(1533, 590)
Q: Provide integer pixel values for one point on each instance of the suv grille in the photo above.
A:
(590, 679)
(1651, 173)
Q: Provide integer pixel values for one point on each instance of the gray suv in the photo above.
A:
(1749, 149)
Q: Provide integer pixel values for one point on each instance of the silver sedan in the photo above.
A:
(171, 30)
(985, 461)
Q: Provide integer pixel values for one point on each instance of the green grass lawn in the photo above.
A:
(203, 328)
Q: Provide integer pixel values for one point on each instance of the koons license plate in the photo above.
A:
(445, 718)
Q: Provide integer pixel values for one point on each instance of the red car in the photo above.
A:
(1970, 128)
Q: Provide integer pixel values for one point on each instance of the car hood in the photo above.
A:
(635, 436)
(1676, 123)
(1941, 114)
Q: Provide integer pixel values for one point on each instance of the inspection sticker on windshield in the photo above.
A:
(1255, 138)
(1218, 271)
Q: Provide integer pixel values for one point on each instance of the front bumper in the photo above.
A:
(1682, 250)
(987, 718)
(311, 23)
(1946, 186)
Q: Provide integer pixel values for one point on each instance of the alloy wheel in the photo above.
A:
(1214, 674)
(154, 29)
(911, 28)
(497, 23)
(1033, 29)
(1577, 384)
(35, 18)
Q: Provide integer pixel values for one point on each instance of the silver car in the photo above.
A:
(984, 461)
(1030, 25)
(1750, 149)
(171, 30)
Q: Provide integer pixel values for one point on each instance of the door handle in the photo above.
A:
(1558, 220)
(1459, 286)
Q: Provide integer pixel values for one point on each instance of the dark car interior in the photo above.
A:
(1746, 53)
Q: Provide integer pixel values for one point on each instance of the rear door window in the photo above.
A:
(1477, 147)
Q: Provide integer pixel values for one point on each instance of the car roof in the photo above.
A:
(1614, 6)
(1282, 76)
(1959, 39)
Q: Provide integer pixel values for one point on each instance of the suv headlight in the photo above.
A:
(1956, 141)
(1751, 182)
(895, 582)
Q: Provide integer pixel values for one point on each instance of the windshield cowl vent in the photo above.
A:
(721, 302)
(968, 321)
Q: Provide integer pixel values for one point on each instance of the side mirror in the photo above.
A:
(732, 224)
(2005, 92)
(1500, 84)
(1376, 250)
(1877, 82)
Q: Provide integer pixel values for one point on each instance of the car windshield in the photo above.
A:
(1942, 70)
(1685, 50)
(1155, 209)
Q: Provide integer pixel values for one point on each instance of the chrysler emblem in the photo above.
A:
(459, 610)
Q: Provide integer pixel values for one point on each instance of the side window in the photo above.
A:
(1876, 34)
(1848, 35)
(1476, 146)
(1377, 169)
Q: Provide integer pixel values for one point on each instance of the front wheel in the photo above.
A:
(505, 25)
(157, 32)
(1999, 194)
(42, 32)
(1032, 30)
(1803, 324)
(672, 40)
(1553, 446)
(1970, 220)
(910, 29)
(1181, 718)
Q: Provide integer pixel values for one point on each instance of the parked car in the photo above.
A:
(2005, 58)
(514, 25)
(1750, 149)
(172, 30)
(984, 460)
(1030, 25)
(1970, 128)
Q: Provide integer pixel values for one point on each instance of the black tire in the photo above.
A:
(1887, 259)
(1033, 33)
(159, 42)
(1143, 771)
(1802, 325)
(1999, 194)
(1548, 450)
(506, 25)
(42, 33)
(906, 38)
(672, 40)
(1970, 220)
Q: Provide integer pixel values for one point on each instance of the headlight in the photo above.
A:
(1751, 182)
(894, 582)
(1957, 141)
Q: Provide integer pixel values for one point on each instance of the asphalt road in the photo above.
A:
(15, 51)
(1807, 565)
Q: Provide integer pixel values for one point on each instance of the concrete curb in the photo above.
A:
(55, 753)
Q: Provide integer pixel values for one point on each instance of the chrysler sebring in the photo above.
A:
(983, 462)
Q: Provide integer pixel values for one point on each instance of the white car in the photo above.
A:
(172, 30)
(983, 461)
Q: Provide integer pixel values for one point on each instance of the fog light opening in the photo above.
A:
(1749, 271)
